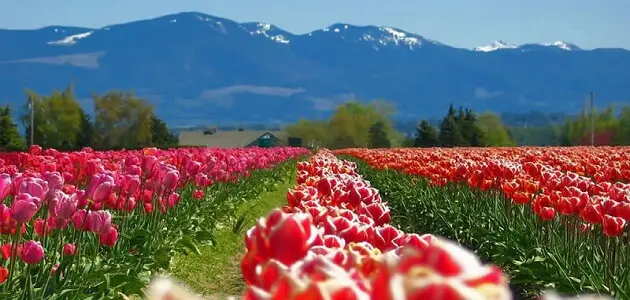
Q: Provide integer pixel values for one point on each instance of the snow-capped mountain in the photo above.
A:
(501, 45)
(496, 45)
(201, 68)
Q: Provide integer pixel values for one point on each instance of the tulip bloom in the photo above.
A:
(24, 208)
(32, 252)
(5, 185)
(100, 186)
(4, 274)
(109, 237)
(69, 249)
(99, 221)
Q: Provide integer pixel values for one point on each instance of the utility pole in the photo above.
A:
(31, 106)
(592, 119)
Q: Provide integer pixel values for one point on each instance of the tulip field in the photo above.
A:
(95, 225)
(550, 218)
(358, 224)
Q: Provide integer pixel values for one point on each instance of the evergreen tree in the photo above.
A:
(472, 134)
(378, 136)
(427, 135)
(84, 136)
(10, 139)
(450, 135)
(160, 136)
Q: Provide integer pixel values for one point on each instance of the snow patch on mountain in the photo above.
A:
(561, 45)
(496, 45)
(71, 40)
(267, 30)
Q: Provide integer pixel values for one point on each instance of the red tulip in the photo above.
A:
(4, 274)
(109, 237)
(69, 249)
(547, 213)
(613, 226)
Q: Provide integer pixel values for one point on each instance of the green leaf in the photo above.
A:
(204, 236)
(189, 244)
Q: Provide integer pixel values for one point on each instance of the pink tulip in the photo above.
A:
(130, 184)
(66, 206)
(5, 184)
(99, 221)
(32, 252)
(54, 180)
(170, 179)
(33, 186)
(24, 207)
(100, 186)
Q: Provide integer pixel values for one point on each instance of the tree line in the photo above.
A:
(352, 125)
(610, 126)
(357, 125)
(463, 128)
(119, 120)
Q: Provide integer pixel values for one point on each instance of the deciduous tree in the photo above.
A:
(57, 119)
(495, 134)
(121, 120)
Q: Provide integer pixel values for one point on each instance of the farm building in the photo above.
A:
(214, 138)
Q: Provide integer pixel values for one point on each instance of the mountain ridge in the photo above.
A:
(217, 70)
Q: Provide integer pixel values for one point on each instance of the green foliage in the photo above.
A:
(57, 119)
(121, 120)
(409, 142)
(160, 134)
(622, 134)
(495, 134)
(427, 135)
(543, 135)
(84, 136)
(10, 139)
(609, 128)
(313, 133)
(536, 255)
(348, 127)
(342, 141)
(471, 133)
(378, 136)
(450, 134)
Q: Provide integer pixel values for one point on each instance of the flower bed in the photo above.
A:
(543, 224)
(333, 241)
(99, 223)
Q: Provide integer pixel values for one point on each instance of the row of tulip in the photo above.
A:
(569, 207)
(333, 241)
(99, 223)
(549, 191)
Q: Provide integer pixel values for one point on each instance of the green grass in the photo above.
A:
(217, 270)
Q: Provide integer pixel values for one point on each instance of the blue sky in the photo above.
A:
(461, 23)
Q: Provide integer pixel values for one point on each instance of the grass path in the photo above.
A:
(216, 272)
